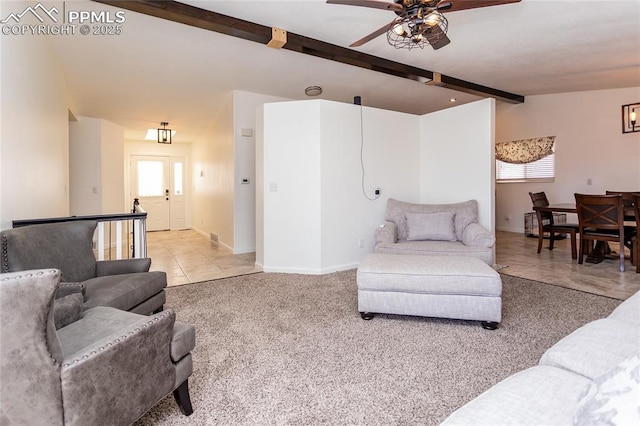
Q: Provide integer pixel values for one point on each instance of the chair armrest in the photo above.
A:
(124, 266)
(387, 233)
(476, 235)
(67, 288)
(67, 305)
(67, 309)
(131, 369)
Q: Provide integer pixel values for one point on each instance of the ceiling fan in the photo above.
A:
(419, 22)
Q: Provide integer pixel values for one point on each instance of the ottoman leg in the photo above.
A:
(366, 315)
(489, 325)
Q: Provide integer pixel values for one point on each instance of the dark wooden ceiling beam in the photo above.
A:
(212, 21)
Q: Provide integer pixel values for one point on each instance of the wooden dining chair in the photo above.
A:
(627, 200)
(546, 224)
(601, 218)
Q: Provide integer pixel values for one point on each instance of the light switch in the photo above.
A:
(246, 132)
(273, 187)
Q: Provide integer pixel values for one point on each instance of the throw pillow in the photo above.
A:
(431, 226)
(613, 398)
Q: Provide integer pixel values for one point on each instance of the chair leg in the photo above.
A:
(574, 255)
(540, 238)
(552, 237)
(621, 254)
(583, 242)
(181, 395)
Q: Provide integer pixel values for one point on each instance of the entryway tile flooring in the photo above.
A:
(188, 257)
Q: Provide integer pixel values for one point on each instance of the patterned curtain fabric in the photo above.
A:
(525, 150)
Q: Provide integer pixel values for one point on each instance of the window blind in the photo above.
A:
(539, 169)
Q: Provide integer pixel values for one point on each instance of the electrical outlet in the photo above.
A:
(361, 243)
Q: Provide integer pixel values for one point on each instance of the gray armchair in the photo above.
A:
(106, 367)
(434, 229)
(68, 246)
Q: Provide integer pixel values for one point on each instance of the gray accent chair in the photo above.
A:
(106, 367)
(68, 246)
(434, 229)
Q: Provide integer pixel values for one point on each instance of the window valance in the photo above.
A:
(525, 150)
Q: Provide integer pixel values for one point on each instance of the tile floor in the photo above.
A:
(519, 254)
(188, 257)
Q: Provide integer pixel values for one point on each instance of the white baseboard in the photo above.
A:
(201, 232)
(244, 250)
(510, 229)
(220, 243)
(305, 271)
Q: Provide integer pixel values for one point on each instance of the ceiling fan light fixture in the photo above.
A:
(433, 18)
(418, 28)
(398, 29)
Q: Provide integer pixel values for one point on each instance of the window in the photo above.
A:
(526, 160)
(542, 170)
(150, 179)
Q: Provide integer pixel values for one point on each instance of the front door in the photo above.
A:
(150, 181)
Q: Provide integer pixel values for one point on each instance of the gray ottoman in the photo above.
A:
(430, 286)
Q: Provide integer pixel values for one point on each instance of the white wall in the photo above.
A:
(389, 143)
(222, 157)
(589, 145)
(310, 179)
(96, 167)
(315, 212)
(292, 177)
(112, 152)
(85, 171)
(213, 177)
(245, 105)
(457, 157)
(34, 150)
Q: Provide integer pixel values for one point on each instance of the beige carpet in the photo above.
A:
(291, 349)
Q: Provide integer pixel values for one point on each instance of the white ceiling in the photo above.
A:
(159, 70)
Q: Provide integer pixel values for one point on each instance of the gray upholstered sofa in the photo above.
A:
(434, 229)
(124, 284)
(590, 377)
(105, 367)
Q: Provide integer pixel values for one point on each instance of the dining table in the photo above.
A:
(628, 211)
(602, 249)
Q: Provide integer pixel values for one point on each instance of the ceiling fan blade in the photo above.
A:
(368, 3)
(474, 4)
(371, 36)
(443, 5)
